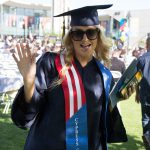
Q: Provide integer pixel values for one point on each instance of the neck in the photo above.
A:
(84, 60)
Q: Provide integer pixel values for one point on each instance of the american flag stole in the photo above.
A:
(75, 106)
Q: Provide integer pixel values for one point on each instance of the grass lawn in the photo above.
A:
(13, 138)
(131, 115)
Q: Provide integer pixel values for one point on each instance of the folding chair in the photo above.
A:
(116, 75)
(8, 98)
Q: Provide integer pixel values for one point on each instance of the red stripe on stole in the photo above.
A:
(81, 84)
(64, 86)
(74, 90)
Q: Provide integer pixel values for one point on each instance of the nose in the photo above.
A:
(85, 37)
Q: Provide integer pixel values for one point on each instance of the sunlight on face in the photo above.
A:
(85, 46)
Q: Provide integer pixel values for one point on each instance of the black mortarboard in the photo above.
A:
(85, 16)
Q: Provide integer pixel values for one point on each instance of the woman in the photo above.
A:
(64, 100)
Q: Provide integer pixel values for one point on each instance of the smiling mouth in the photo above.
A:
(85, 46)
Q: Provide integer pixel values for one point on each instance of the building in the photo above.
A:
(21, 18)
(139, 26)
(131, 26)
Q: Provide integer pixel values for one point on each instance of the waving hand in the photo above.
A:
(26, 63)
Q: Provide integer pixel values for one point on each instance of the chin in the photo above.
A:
(87, 55)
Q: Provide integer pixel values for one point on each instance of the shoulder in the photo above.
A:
(104, 70)
(145, 57)
(46, 61)
(47, 57)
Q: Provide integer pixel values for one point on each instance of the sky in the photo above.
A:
(117, 4)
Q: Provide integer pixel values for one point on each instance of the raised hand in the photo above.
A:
(26, 62)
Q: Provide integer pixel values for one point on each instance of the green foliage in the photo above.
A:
(13, 138)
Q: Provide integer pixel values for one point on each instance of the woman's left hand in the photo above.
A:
(129, 92)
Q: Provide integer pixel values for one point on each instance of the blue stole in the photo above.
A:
(107, 78)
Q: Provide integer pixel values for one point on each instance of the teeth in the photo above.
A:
(85, 45)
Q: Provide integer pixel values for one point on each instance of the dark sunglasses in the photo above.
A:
(77, 35)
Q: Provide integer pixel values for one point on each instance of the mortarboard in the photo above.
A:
(85, 16)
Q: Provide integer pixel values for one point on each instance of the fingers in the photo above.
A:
(15, 58)
(132, 89)
(32, 52)
(23, 49)
(128, 91)
(28, 50)
(137, 98)
(19, 51)
(25, 52)
(125, 96)
(33, 59)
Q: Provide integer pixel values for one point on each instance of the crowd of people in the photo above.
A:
(121, 56)
(41, 44)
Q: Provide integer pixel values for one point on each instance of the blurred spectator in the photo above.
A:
(122, 54)
(2, 44)
(8, 41)
(143, 93)
(135, 53)
(57, 46)
(49, 47)
(119, 44)
(142, 49)
(38, 48)
(117, 64)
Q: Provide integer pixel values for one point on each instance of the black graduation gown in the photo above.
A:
(45, 115)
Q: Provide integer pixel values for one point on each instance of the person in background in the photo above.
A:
(143, 93)
(48, 47)
(119, 44)
(117, 65)
(8, 41)
(141, 48)
(65, 98)
(135, 53)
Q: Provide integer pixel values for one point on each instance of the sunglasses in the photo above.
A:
(77, 35)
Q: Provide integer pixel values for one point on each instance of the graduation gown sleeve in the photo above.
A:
(23, 113)
(115, 127)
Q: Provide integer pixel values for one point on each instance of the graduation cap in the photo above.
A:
(85, 16)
